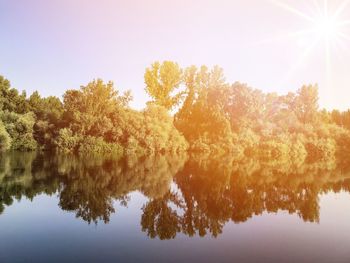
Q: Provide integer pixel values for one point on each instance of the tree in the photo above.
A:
(20, 128)
(161, 82)
(49, 113)
(202, 115)
(88, 111)
(98, 120)
(213, 117)
(244, 105)
(306, 103)
(10, 99)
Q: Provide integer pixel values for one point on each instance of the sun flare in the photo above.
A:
(327, 27)
(324, 27)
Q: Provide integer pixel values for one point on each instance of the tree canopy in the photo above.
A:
(191, 109)
(161, 81)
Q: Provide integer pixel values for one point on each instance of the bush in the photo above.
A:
(5, 139)
(96, 145)
(66, 141)
(20, 128)
(25, 142)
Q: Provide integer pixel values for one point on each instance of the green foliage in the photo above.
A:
(10, 99)
(161, 81)
(149, 131)
(202, 112)
(161, 135)
(213, 117)
(93, 145)
(89, 109)
(20, 128)
(220, 118)
(48, 112)
(99, 120)
(5, 139)
(66, 141)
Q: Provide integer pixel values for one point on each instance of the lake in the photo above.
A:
(64, 208)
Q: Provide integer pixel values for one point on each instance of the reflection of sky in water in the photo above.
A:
(39, 231)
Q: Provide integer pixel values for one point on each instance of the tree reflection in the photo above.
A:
(87, 186)
(18, 178)
(159, 219)
(206, 194)
(214, 191)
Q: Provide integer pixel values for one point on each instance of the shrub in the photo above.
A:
(5, 139)
(20, 128)
(25, 142)
(66, 141)
(96, 145)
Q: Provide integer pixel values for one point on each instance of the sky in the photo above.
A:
(55, 45)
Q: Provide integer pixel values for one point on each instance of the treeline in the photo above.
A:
(93, 119)
(191, 109)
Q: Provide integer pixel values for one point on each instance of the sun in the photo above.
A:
(324, 26)
(327, 27)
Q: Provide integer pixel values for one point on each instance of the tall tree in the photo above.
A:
(48, 112)
(89, 109)
(161, 81)
(306, 103)
(10, 98)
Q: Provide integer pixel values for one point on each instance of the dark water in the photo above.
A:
(61, 208)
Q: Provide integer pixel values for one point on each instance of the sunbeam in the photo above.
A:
(286, 36)
(341, 8)
(291, 9)
(325, 28)
(302, 58)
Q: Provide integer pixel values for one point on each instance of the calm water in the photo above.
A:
(61, 208)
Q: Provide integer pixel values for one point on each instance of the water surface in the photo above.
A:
(61, 208)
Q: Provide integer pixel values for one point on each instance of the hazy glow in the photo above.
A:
(273, 45)
(326, 27)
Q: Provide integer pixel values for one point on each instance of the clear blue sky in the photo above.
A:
(55, 45)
